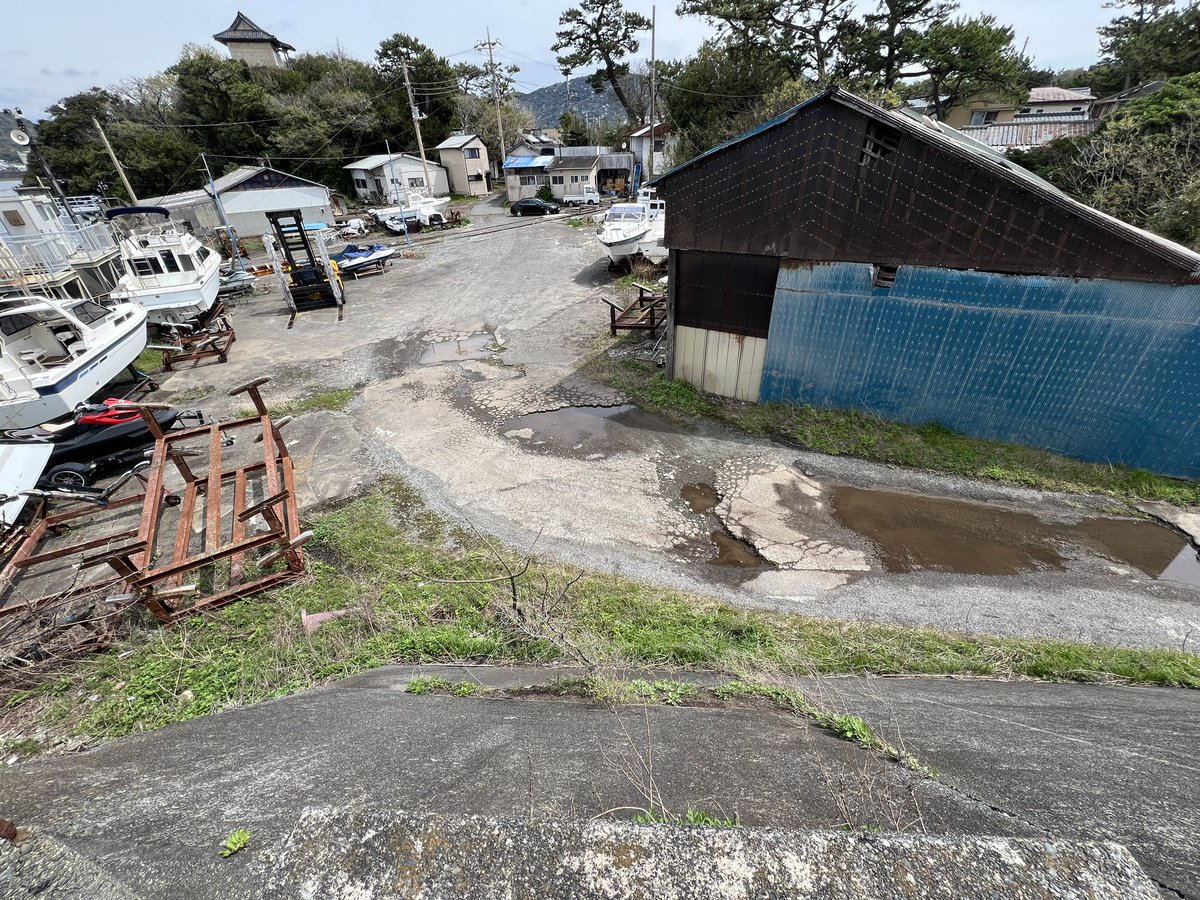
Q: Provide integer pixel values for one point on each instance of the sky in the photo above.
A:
(45, 56)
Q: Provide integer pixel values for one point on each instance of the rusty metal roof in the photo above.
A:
(1032, 131)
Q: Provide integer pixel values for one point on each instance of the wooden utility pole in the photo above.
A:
(488, 45)
(653, 85)
(116, 162)
(416, 117)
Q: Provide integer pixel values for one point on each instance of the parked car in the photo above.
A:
(532, 206)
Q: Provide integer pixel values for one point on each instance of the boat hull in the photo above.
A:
(623, 248)
(174, 305)
(79, 381)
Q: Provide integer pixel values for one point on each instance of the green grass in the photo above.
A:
(576, 222)
(409, 573)
(335, 401)
(149, 361)
(932, 446)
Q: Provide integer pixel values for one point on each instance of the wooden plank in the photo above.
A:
(212, 495)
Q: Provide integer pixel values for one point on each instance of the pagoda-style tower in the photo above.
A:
(249, 43)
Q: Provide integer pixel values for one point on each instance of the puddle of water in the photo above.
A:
(474, 347)
(702, 498)
(913, 533)
(732, 552)
(579, 428)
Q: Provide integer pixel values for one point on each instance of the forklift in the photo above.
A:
(310, 280)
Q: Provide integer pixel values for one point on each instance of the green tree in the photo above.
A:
(71, 146)
(601, 33)
(807, 36)
(574, 129)
(434, 85)
(890, 39)
(964, 57)
(477, 115)
(1131, 40)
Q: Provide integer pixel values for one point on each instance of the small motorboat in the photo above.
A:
(355, 259)
(55, 354)
(417, 210)
(625, 225)
(236, 283)
(168, 271)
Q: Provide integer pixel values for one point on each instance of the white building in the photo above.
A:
(388, 178)
(656, 140)
(248, 193)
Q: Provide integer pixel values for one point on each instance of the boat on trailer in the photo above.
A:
(168, 270)
(55, 354)
(625, 225)
(417, 209)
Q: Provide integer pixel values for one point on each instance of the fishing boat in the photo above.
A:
(168, 270)
(624, 226)
(653, 246)
(55, 354)
(416, 209)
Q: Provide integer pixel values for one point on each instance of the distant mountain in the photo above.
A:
(550, 102)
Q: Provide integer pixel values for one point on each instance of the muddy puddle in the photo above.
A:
(734, 553)
(584, 430)
(914, 533)
(478, 346)
(702, 498)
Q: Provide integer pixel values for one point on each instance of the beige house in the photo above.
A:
(1042, 101)
(465, 159)
(251, 44)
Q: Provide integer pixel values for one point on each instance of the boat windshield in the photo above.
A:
(88, 312)
(625, 215)
(15, 322)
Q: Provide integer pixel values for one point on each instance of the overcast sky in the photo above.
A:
(47, 53)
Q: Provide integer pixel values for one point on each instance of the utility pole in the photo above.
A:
(233, 247)
(488, 45)
(416, 116)
(116, 162)
(653, 85)
(55, 187)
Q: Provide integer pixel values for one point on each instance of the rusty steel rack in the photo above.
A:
(212, 337)
(647, 312)
(152, 560)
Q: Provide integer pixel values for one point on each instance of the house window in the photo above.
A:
(12, 217)
(1076, 109)
(583, 179)
(556, 179)
(658, 146)
(543, 179)
(360, 183)
(416, 182)
(379, 184)
(986, 116)
(146, 266)
(1024, 109)
(527, 180)
(476, 176)
(168, 259)
(881, 142)
(471, 153)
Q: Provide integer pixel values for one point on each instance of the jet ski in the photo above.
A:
(95, 441)
(354, 258)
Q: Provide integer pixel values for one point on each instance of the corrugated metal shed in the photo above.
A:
(837, 178)
(1023, 133)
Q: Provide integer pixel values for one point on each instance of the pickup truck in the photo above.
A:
(588, 197)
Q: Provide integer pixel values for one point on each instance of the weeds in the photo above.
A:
(842, 432)
(333, 401)
(149, 361)
(693, 817)
(236, 841)
(431, 592)
(437, 685)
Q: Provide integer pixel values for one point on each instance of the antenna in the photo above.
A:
(18, 137)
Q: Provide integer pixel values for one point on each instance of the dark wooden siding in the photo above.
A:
(725, 292)
(799, 191)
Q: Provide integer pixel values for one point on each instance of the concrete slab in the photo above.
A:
(156, 808)
(376, 855)
(1087, 762)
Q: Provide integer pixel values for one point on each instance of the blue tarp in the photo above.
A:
(527, 162)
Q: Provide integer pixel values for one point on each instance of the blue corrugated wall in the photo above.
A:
(1102, 370)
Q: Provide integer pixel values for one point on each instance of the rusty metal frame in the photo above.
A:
(132, 560)
(213, 338)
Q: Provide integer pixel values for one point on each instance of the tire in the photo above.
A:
(71, 475)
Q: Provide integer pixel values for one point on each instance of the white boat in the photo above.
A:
(167, 270)
(653, 246)
(55, 354)
(624, 226)
(415, 208)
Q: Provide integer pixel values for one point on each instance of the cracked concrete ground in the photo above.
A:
(495, 426)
